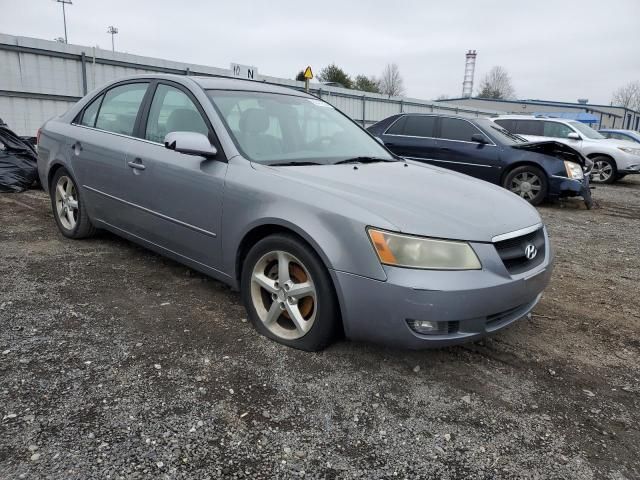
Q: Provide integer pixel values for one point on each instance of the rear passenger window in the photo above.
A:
(120, 108)
(89, 115)
(556, 130)
(455, 129)
(420, 126)
(528, 127)
(172, 111)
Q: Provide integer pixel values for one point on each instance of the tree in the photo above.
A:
(300, 76)
(333, 73)
(627, 96)
(367, 84)
(497, 84)
(391, 81)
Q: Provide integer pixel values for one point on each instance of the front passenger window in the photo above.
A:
(172, 111)
(556, 130)
(120, 107)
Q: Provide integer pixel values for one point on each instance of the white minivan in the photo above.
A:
(612, 159)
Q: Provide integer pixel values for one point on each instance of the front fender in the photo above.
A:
(254, 198)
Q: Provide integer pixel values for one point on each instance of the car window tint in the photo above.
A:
(528, 127)
(455, 129)
(89, 115)
(420, 126)
(556, 130)
(397, 128)
(172, 111)
(120, 108)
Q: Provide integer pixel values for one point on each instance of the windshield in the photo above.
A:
(586, 130)
(500, 134)
(273, 128)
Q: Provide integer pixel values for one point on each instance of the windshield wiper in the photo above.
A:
(365, 159)
(294, 164)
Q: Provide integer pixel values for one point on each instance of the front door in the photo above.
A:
(459, 152)
(182, 194)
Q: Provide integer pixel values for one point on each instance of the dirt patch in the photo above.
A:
(118, 363)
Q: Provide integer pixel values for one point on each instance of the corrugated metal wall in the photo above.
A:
(40, 79)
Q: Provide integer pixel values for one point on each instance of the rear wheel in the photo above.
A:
(529, 182)
(288, 293)
(68, 209)
(604, 170)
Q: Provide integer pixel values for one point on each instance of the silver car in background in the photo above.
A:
(281, 196)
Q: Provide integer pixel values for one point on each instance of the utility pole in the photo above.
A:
(64, 16)
(112, 30)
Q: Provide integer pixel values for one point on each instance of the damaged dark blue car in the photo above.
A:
(478, 147)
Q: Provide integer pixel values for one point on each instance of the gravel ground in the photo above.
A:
(117, 363)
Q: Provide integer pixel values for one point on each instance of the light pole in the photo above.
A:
(112, 30)
(64, 16)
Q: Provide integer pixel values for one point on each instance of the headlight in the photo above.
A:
(632, 151)
(574, 170)
(426, 253)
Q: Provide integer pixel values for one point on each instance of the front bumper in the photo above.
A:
(566, 187)
(474, 303)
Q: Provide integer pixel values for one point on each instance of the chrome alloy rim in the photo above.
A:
(66, 199)
(283, 295)
(526, 184)
(602, 171)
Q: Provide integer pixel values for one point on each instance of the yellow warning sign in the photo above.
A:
(308, 74)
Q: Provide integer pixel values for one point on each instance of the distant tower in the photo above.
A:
(469, 70)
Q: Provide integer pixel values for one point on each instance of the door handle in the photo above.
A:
(136, 164)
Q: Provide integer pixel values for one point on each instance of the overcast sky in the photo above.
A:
(553, 49)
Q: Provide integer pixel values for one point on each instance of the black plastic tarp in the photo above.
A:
(18, 162)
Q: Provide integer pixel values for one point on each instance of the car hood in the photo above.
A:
(555, 149)
(418, 199)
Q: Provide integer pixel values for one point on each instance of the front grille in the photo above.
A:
(512, 251)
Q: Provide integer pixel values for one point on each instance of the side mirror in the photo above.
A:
(574, 136)
(479, 138)
(191, 143)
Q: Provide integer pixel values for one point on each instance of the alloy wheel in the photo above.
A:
(602, 171)
(526, 184)
(66, 202)
(283, 295)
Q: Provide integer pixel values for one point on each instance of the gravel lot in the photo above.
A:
(117, 363)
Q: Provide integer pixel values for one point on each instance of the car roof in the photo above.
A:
(618, 130)
(221, 83)
(531, 117)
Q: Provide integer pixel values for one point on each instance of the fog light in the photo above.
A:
(428, 327)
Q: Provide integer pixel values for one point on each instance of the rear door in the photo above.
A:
(413, 136)
(180, 194)
(460, 153)
(102, 134)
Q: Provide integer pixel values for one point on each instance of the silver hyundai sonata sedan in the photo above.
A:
(281, 196)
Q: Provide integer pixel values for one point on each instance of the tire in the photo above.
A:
(529, 182)
(271, 305)
(604, 170)
(68, 208)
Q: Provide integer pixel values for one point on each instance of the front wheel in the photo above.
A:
(288, 293)
(604, 170)
(529, 182)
